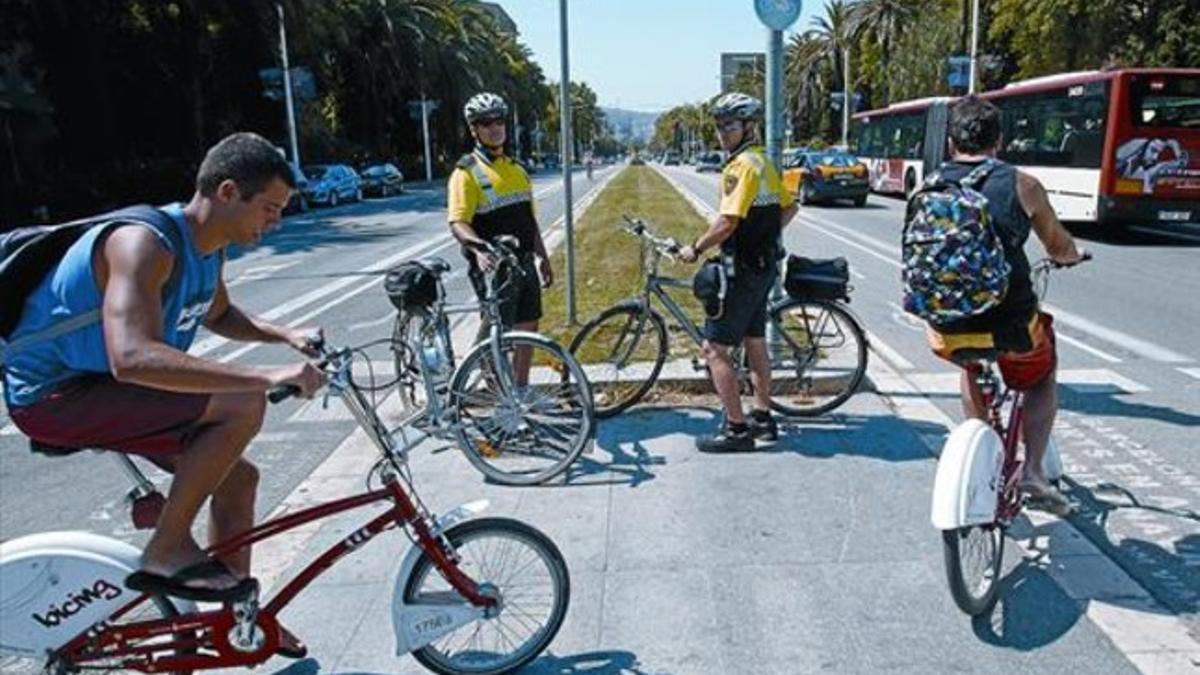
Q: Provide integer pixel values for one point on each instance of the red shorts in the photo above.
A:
(1020, 370)
(96, 411)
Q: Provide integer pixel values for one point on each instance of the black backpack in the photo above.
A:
(27, 254)
(412, 286)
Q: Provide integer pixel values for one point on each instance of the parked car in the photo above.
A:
(332, 184)
(671, 159)
(297, 203)
(709, 161)
(384, 180)
(825, 175)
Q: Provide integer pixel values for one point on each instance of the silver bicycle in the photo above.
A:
(517, 429)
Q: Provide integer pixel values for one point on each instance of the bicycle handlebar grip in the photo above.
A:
(282, 393)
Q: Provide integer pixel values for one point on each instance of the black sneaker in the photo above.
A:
(763, 429)
(727, 440)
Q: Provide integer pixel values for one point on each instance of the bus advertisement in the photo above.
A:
(1112, 147)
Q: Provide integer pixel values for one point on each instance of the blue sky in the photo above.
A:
(645, 54)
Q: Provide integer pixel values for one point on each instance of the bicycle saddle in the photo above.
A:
(974, 356)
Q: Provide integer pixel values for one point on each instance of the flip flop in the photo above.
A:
(1050, 500)
(290, 646)
(176, 585)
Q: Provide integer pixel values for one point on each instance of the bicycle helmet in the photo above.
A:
(484, 105)
(738, 106)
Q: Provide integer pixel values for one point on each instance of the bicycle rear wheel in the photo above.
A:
(622, 350)
(524, 569)
(819, 358)
(973, 556)
(529, 434)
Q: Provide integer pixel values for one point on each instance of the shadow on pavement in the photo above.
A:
(873, 436)
(589, 663)
(1116, 236)
(1107, 403)
(1032, 611)
(1171, 576)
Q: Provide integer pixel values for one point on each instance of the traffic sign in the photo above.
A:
(777, 14)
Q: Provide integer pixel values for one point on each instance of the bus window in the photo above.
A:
(1054, 129)
(1166, 101)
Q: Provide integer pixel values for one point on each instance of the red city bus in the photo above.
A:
(1111, 147)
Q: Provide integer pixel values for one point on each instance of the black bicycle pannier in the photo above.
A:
(809, 279)
(411, 286)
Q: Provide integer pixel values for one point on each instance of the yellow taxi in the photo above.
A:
(826, 175)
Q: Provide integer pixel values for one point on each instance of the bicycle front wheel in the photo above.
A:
(818, 359)
(522, 434)
(622, 350)
(513, 562)
(973, 556)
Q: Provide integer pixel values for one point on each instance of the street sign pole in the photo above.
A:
(777, 15)
(846, 102)
(974, 45)
(287, 88)
(566, 142)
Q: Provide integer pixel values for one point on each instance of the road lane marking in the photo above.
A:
(1079, 344)
(869, 251)
(1080, 380)
(214, 342)
(886, 351)
(10, 429)
(1126, 341)
(1190, 372)
(1183, 236)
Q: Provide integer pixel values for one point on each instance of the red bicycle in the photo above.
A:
(976, 493)
(484, 595)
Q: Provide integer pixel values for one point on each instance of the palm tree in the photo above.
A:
(884, 20)
(819, 51)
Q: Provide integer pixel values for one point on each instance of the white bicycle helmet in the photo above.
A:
(738, 106)
(484, 105)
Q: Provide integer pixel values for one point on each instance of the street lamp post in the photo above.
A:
(287, 88)
(974, 45)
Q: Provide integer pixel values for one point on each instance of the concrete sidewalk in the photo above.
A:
(814, 556)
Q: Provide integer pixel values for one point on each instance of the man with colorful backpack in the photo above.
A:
(966, 274)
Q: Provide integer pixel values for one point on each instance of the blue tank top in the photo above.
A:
(70, 290)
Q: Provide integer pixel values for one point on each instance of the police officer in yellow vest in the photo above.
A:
(755, 207)
(490, 195)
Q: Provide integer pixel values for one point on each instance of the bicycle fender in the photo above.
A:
(969, 477)
(415, 625)
(56, 585)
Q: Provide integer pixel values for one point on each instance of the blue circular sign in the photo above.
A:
(777, 14)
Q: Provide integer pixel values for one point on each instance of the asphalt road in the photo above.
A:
(1129, 372)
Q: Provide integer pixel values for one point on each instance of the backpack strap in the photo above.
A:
(141, 213)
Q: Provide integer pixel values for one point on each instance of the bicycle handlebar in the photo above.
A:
(666, 245)
(285, 391)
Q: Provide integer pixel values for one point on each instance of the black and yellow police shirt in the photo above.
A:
(752, 191)
(494, 195)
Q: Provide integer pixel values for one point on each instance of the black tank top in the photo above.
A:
(1009, 320)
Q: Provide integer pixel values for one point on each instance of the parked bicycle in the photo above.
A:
(515, 433)
(975, 493)
(483, 595)
(818, 348)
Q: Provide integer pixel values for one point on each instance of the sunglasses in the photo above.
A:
(728, 125)
(490, 122)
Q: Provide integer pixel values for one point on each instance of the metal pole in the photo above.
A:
(846, 101)
(567, 145)
(774, 130)
(974, 44)
(287, 88)
(425, 135)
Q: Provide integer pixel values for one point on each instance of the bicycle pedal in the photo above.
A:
(488, 449)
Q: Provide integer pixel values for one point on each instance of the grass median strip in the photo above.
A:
(609, 261)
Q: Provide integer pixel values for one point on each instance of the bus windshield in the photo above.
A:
(1165, 101)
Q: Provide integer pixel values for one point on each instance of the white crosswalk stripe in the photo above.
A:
(1080, 380)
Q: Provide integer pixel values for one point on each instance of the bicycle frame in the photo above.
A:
(1009, 497)
(213, 629)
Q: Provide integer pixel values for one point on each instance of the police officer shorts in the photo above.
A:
(520, 294)
(745, 312)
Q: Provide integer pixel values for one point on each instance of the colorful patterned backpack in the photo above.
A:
(954, 264)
